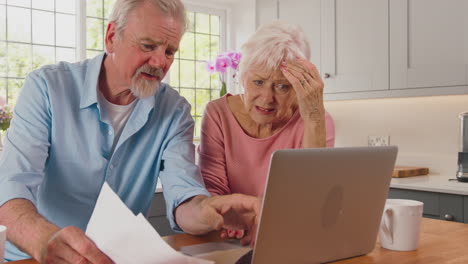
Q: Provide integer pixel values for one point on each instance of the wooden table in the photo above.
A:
(441, 242)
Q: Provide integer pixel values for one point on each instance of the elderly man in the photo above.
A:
(109, 119)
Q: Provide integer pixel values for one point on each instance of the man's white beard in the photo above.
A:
(142, 88)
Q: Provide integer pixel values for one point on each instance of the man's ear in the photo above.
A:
(111, 37)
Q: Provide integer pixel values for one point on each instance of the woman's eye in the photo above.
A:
(282, 87)
(258, 82)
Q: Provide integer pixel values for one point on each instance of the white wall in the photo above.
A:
(426, 129)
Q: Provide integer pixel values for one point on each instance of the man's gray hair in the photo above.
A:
(122, 8)
(271, 44)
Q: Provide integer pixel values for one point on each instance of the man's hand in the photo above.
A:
(44, 241)
(203, 214)
(71, 245)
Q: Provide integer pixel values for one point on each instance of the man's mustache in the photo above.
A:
(157, 72)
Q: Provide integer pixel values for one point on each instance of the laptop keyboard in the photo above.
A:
(246, 258)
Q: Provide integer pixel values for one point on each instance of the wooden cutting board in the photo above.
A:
(407, 171)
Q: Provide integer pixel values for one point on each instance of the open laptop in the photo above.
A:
(322, 205)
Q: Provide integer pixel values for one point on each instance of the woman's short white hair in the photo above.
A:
(271, 44)
(122, 8)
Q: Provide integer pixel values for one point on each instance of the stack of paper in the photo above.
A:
(129, 239)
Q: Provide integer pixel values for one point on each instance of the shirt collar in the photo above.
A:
(89, 95)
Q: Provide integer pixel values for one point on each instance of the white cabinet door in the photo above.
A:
(428, 43)
(267, 11)
(355, 45)
(307, 15)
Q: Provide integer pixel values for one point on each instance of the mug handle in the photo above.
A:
(387, 224)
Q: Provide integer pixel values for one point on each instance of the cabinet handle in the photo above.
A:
(326, 75)
(449, 217)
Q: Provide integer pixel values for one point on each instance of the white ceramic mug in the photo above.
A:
(3, 230)
(400, 225)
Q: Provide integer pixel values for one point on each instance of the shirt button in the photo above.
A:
(110, 132)
(111, 166)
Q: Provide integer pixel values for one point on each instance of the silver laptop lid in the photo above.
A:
(323, 204)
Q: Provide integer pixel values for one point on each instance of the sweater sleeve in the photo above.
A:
(211, 151)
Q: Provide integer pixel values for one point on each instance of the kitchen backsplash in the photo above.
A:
(426, 129)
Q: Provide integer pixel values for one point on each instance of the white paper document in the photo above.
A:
(129, 239)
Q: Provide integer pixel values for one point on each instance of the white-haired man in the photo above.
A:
(109, 119)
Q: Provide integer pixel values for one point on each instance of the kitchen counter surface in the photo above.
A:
(431, 183)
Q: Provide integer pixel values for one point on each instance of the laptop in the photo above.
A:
(321, 205)
(324, 204)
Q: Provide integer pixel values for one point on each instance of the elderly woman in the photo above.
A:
(281, 108)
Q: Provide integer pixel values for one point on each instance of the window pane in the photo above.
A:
(108, 4)
(92, 53)
(65, 6)
(214, 25)
(214, 47)
(197, 126)
(203, 97)
(43, 55)
(2, 1)
(186, 46)
(64, 24)
(14, 87)
(94, 33)
(174, 74)
(202, 50)
(2, 22)
(19, 59)
(65, 54)
(214, 94)
(203, 76)
(3, 59)
(44, 4)
(191, 19)
(94, 8)
(202, 23)
(43, 27)
(215, 83)
(3, 88)
(187, 74)
(25, 3)
(19, 24)
(189, 95)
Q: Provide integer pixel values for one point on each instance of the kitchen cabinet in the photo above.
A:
(450, 207)
(428, 44)
(382, 48)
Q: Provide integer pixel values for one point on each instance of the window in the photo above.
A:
(188, 73)
(34, 33)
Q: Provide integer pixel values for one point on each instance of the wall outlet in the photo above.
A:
(378, 140)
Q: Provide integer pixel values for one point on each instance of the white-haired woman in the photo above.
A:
(281, 108)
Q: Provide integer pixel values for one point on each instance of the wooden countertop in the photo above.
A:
(441, 242)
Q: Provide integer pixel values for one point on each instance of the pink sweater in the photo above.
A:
(232, 161)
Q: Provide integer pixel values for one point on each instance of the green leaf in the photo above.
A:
(223, 90)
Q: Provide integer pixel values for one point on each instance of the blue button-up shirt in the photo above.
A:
(57, 150)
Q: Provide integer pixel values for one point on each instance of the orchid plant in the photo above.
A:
(221, 65)
(5, 115)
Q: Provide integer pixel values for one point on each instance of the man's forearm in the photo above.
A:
(27, 229)
(191, 217)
